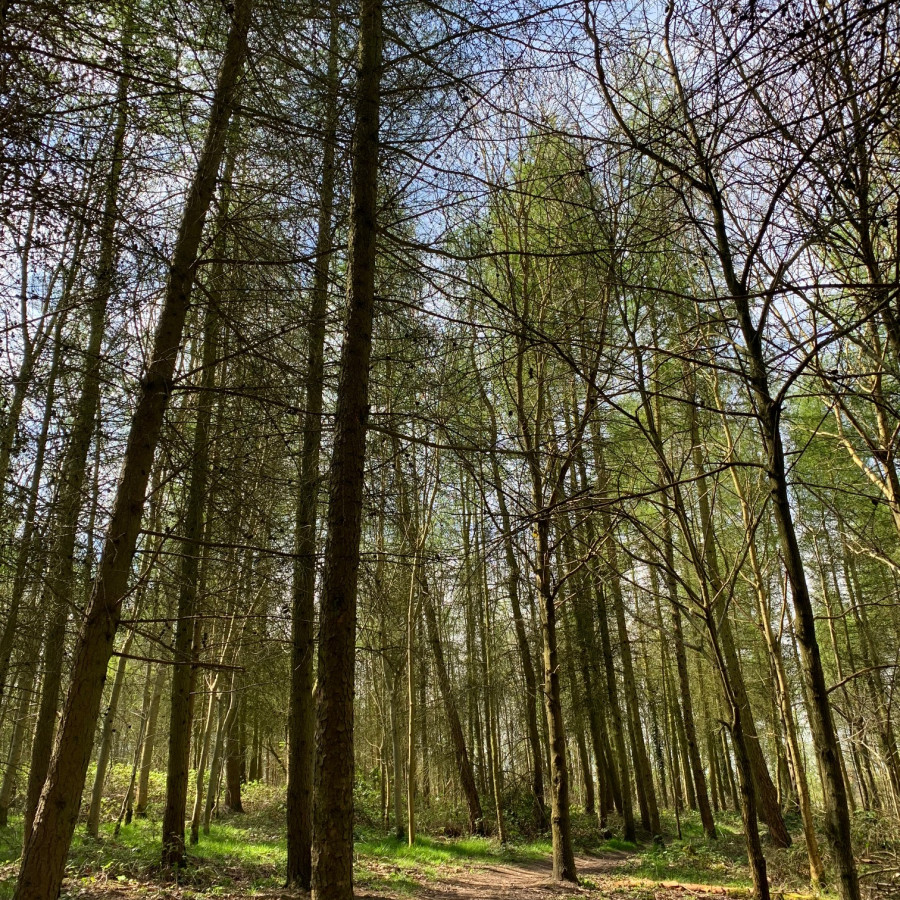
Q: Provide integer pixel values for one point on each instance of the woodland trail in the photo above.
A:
(604, 875)
(601, 875)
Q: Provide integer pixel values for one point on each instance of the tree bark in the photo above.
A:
(687, 709)
(181, 705)
(126, 810)
(524, 648)
(215, 769)
(745, 775)
(463, 763)
(301, 719)
(232, 751)
(332, 851)
(618, 726)
(639, 747)
(493, 740)
(106, 734)
(16, 746)
(44, 857)
(140, 809)
(58, 588)
(837, 813)
(205, 741)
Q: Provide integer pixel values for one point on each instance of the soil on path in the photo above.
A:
(601, 875)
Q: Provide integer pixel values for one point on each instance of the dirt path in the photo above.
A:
(524, 881)
(601, 875)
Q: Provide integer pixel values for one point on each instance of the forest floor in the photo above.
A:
(244, 857)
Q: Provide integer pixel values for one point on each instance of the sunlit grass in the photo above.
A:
(247, 853)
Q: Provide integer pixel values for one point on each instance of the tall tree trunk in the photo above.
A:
(16, 746)
(588, 659)
(463, 763)
(783, 694)
(301, 719)
(563, 853)
(781, 684)
(58, 588)
(218, 757)
(687, 709)
(768, 412)
(232, 750)
(411, 616)
(127, 808)
(140, 809)
(11, 629)
(181, 706)
(766, 792)
(44, 857)
(493, 741)
(522, 644)
(745, 776)
(396, 757)
(618, 726)
(690, 728)
(332, 851)
(205, 741)
(578, 705)
(639, 747)
(106, 736)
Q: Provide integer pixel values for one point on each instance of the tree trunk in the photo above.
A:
(232, 750)
(140, 809)
(612, 696)
(837, 814)
(745, 775)
(106, 735)
(181, 708)
(16, 746)
(396, 757)
(411, 609)
(463, 763)
(301, 719)
(127, 808)
(587, 656)
(766, 792)
(493, 741)
(639, 747)
(332, 852)
(44, 858)
(578, 705)
(522, 643)
(205, 741)
(563, 854)
(58, 588)
(215, 769)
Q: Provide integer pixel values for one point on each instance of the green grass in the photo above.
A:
(235, 855)
(389, 863)
(619, 844)
(693, 859)
(431, 851)
(247, 853)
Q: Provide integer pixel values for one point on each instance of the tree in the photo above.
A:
(44, 857)
(332, 848)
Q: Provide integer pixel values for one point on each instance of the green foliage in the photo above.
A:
(246, 853)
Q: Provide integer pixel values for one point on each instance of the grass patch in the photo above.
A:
(619, 844)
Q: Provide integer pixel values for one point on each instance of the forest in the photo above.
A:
(449, 449)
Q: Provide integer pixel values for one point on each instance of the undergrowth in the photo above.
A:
(246, 853)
